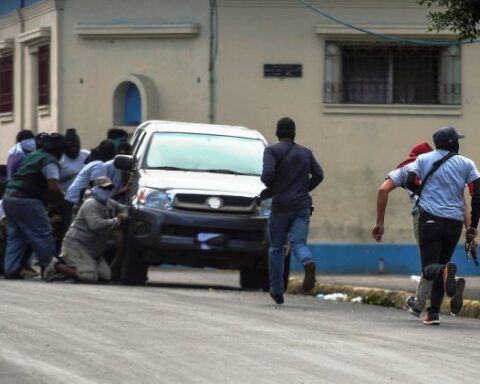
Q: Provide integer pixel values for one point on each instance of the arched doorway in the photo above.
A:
(132, 112)
(135, 100)
(127, 105)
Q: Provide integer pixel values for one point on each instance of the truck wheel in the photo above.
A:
(254, 278)
(257, 278)
(134, 270)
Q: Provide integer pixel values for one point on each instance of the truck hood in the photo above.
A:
(202, 182)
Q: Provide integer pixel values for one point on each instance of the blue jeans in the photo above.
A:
(283, 226)
(27, 223)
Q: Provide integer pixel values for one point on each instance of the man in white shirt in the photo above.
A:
(441, 206)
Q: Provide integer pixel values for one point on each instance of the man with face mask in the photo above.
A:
(25, 145)
(26, 194)
(94, 169)
(439, 177)
(71, 163)
(86, 240)
(72, 160)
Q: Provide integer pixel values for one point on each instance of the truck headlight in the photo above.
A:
(153, 198)
(266, 207)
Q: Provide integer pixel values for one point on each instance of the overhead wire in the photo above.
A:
(382, 36)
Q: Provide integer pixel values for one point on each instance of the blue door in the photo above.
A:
(132, 113)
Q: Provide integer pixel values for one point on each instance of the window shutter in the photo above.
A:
(6, 84)
(44, 75)
(450, 76)
(333, 74)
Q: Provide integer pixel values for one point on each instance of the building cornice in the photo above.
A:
(42, 8)
(6, 46)
(8, 20)
(322, 4)
(30, 12)
(392, 109)
(137, 31)
(335, 30)
(35, 36)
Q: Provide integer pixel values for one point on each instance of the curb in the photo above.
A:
(379, 296)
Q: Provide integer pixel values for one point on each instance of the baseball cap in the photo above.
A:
(103, 182)
(417, 150)
(445, 136)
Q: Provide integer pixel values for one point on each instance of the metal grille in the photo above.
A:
(44, 75)
(231, 204)
(6, 84)
(392, 74)
(201, 199)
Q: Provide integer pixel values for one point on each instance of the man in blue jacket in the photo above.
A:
(290, 172)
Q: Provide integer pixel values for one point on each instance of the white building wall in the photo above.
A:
(357, 145)
(93, 67)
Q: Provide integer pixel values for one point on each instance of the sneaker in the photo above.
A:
(449, 279)
(29, 273)
(410, 306)
(309, 279)
(50, 273)
(456, 302)
(431, 318)
(277, 297)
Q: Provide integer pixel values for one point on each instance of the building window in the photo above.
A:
(132, 113)
(44, 75)
(6, 84)
(357, 73)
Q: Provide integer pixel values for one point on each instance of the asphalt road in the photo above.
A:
(180, 329)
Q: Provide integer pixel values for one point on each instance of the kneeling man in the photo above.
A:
(86, 239)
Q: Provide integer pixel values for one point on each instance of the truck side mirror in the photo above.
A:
(124, 162)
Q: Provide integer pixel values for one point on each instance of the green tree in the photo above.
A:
(460, 16)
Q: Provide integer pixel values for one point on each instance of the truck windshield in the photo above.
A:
(205, 153)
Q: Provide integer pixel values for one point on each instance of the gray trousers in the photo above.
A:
(88, 269)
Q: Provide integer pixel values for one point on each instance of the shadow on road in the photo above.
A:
(168, 285)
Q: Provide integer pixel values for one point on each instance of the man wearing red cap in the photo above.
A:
(394, 179)
(439, 178)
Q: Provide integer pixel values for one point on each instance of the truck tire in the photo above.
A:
(257, 278)
(134, 269)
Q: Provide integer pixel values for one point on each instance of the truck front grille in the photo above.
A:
(231, 204)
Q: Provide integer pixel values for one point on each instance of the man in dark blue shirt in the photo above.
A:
(290, 172)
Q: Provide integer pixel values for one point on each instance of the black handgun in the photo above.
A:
(471, 252)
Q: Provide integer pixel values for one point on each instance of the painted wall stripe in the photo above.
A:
(376, 258)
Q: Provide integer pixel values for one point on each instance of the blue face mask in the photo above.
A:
(102, 194)
(28, 145)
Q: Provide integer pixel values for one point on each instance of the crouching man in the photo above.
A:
(86, 239)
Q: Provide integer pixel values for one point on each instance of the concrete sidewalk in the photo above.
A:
(386, 290)
(393, 282)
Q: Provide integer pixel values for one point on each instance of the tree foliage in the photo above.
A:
(460, 16)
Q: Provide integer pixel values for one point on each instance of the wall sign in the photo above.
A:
(282, 70)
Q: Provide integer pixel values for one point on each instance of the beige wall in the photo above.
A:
(92, 68)
(356, 146)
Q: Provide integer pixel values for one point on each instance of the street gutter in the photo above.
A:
(378, 296)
